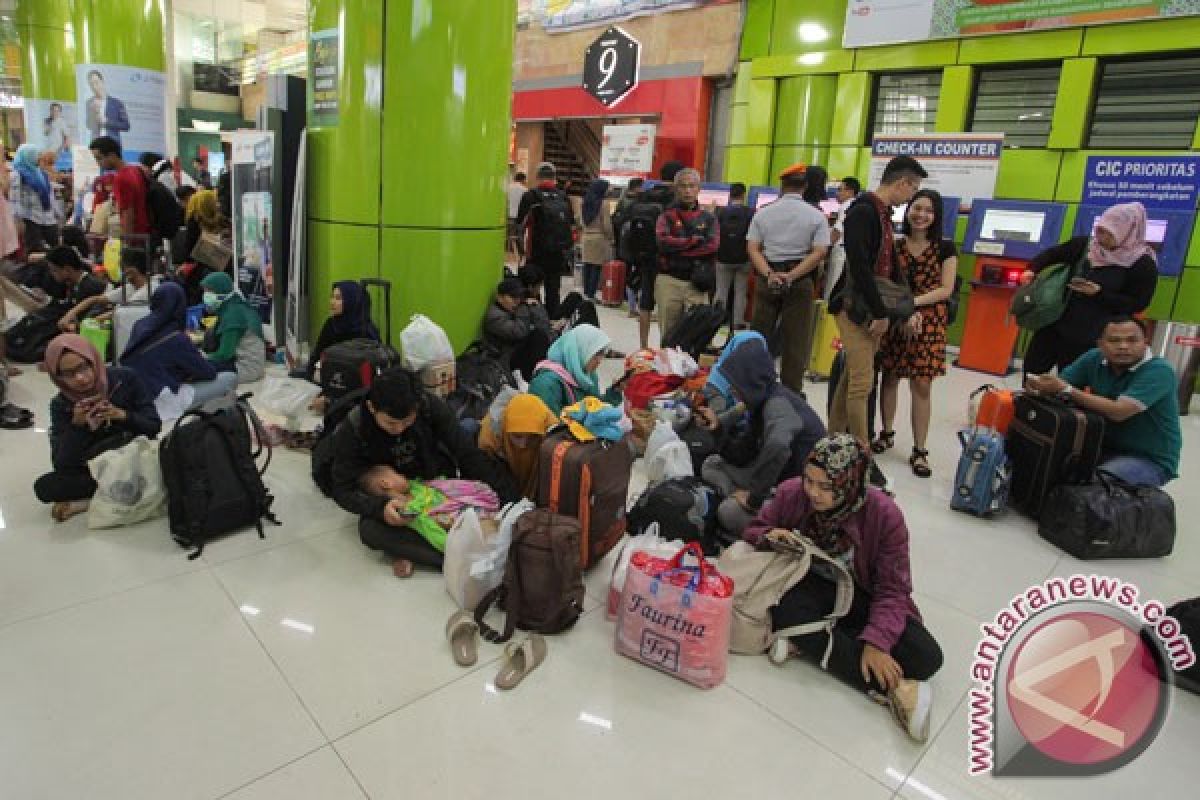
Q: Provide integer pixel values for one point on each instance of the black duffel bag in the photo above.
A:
(1109, 519)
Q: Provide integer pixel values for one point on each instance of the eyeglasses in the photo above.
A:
(71, 374)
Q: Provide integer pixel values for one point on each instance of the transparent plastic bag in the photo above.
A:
(288, 397)
(423, 342)
(666, 455)
(477, 553)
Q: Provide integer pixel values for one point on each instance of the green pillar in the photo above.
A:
(47, 47)
(407, 180)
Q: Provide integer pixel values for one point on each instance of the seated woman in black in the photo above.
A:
(97, 409)
(349, 318)
(402, 426)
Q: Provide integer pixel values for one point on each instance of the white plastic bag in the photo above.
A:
(476, 554)
(673, 361)
(648, 542)
(288, 397)
(129, 485)
(423, 342)
(666, 455)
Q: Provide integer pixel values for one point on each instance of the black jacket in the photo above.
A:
(863, 237)
(1122, 290)
(434, 446)
(503, 330)
(72, 445)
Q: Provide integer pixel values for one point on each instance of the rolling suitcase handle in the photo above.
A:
(386, 287)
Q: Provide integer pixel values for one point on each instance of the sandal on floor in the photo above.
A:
(520, 660)
(780, 651)
(919, 461)
(14, 418)
(462, 632)
(402, 568)
(885, 441)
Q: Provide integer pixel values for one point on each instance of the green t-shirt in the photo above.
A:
(1154, 432)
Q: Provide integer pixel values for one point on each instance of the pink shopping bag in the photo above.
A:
(676, 618)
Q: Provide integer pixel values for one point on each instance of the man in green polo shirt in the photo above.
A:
(1136, 393)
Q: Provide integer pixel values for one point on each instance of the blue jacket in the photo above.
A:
(169, 361)
(72, 445)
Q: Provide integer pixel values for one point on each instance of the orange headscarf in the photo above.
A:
(526, 414)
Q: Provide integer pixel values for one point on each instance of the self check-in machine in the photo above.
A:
(760, 196)
(1168, 233)
(713, 195)
(1004, 235)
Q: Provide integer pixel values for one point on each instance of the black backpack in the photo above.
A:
(684, 508)
(734, 223)
(552, 235)
(639, 242)
(28, 337)
(322, 456)
(214, 485)
(478, 379)
(166, 215)
(694, 331)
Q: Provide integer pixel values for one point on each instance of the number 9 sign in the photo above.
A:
(610, 66)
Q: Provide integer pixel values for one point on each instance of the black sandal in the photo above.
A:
(14, 418)
(919, 461)
(885, 441)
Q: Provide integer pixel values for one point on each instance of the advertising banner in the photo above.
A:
(627, 150)
(253, 159)
(565, 15)
(296, 315)
(125, 103)
(53, 125)
(872, 22)
(1167, 182)
(960, 165)
(323, 62)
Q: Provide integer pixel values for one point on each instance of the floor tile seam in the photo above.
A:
(805, 734)
(271, 771)
(98, 598)
(279, 544)
(933, 740)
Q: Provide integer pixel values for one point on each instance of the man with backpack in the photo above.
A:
(166, 212)
(733, 262)
(130, 186)
(638, 246)
(546, 217)
(687, 237)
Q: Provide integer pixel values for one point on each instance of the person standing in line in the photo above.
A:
(687, 237)
(733, 260)
(202, 175)
(857, 305)
(597, 236)
(516, 190)
(546, 217)
(129, 186)
(629, 196)
(847, 192)
(917, 350)
(32, 196)
(787, 242)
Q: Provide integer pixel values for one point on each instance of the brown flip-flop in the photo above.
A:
(520, 660)
(461, 632)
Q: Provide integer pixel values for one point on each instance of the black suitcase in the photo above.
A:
(354, 364)
(1050, 443)
(694, 331)
(1109, 519)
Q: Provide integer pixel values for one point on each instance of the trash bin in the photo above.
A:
(1179, 344)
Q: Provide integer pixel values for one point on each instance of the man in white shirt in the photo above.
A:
(516, 190)
(847, 192)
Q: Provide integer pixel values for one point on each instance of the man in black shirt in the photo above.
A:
(546, 217)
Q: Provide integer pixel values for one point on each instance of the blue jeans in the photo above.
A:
(1135, 470)
(224, 385)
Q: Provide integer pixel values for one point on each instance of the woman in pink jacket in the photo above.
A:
(880, 645)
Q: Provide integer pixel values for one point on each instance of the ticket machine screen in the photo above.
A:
(1156, 232)
(1004, 225)
(713, 197)
(765, 196)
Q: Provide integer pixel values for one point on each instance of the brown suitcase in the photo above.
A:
(590, 482)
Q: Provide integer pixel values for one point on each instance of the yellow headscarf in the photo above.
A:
(204, 208)
(526, 414)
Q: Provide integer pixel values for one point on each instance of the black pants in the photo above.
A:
(1049, 348)
(399, 543)
(576, 311)
(526, 355)
(918, 655)
(65, 485)
(551, 288)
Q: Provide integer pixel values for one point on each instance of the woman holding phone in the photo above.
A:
(1117, 275)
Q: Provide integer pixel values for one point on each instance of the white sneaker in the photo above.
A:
(912, 705)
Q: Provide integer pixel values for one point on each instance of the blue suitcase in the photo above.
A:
(983, 477)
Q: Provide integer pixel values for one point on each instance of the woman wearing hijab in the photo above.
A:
(597, 239)
(240, 344)
(32, 198)
(757, 453)
(349, 318)
(1117, 276)
(202, 215)
(97, 409)
(163, 356)
(881, 645)
(569, 372)
(717, 390)
(517, 439)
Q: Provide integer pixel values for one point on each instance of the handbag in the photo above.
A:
(897, 297)
(211, 251)
(1109, 519)
(129, 485)
(1041, 302)
(704, 275)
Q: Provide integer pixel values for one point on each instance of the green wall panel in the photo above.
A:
(750, 165)
(447, 119)
(853, 104)
(804, 110)
(954, 99)
(786, 155)
(741, 83)
(343, 158)
(802, 26)
(1017, 47)
(1164, 299)
(125, 32)
(1076, 87)
(907, 56)
(1187, 301)
(818, 62)
(47, 49)
(756, 28)
(449, 276)
(335, 253)
(864, 167)
(1193, 253)
(843, 162)
(1180, 33)
(760, 110)
(1027, 174)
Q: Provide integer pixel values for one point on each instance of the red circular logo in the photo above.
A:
(1084, 688)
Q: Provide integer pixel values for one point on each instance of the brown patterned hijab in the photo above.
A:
(845, 461)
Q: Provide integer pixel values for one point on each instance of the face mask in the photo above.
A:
(211, 300)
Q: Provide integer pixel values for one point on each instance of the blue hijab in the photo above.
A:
(716, 377)
(355, 320)
(593, 200)
(168, 314)
(574, 349)
(31, 174)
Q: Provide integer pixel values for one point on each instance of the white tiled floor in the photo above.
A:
(299, 667)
